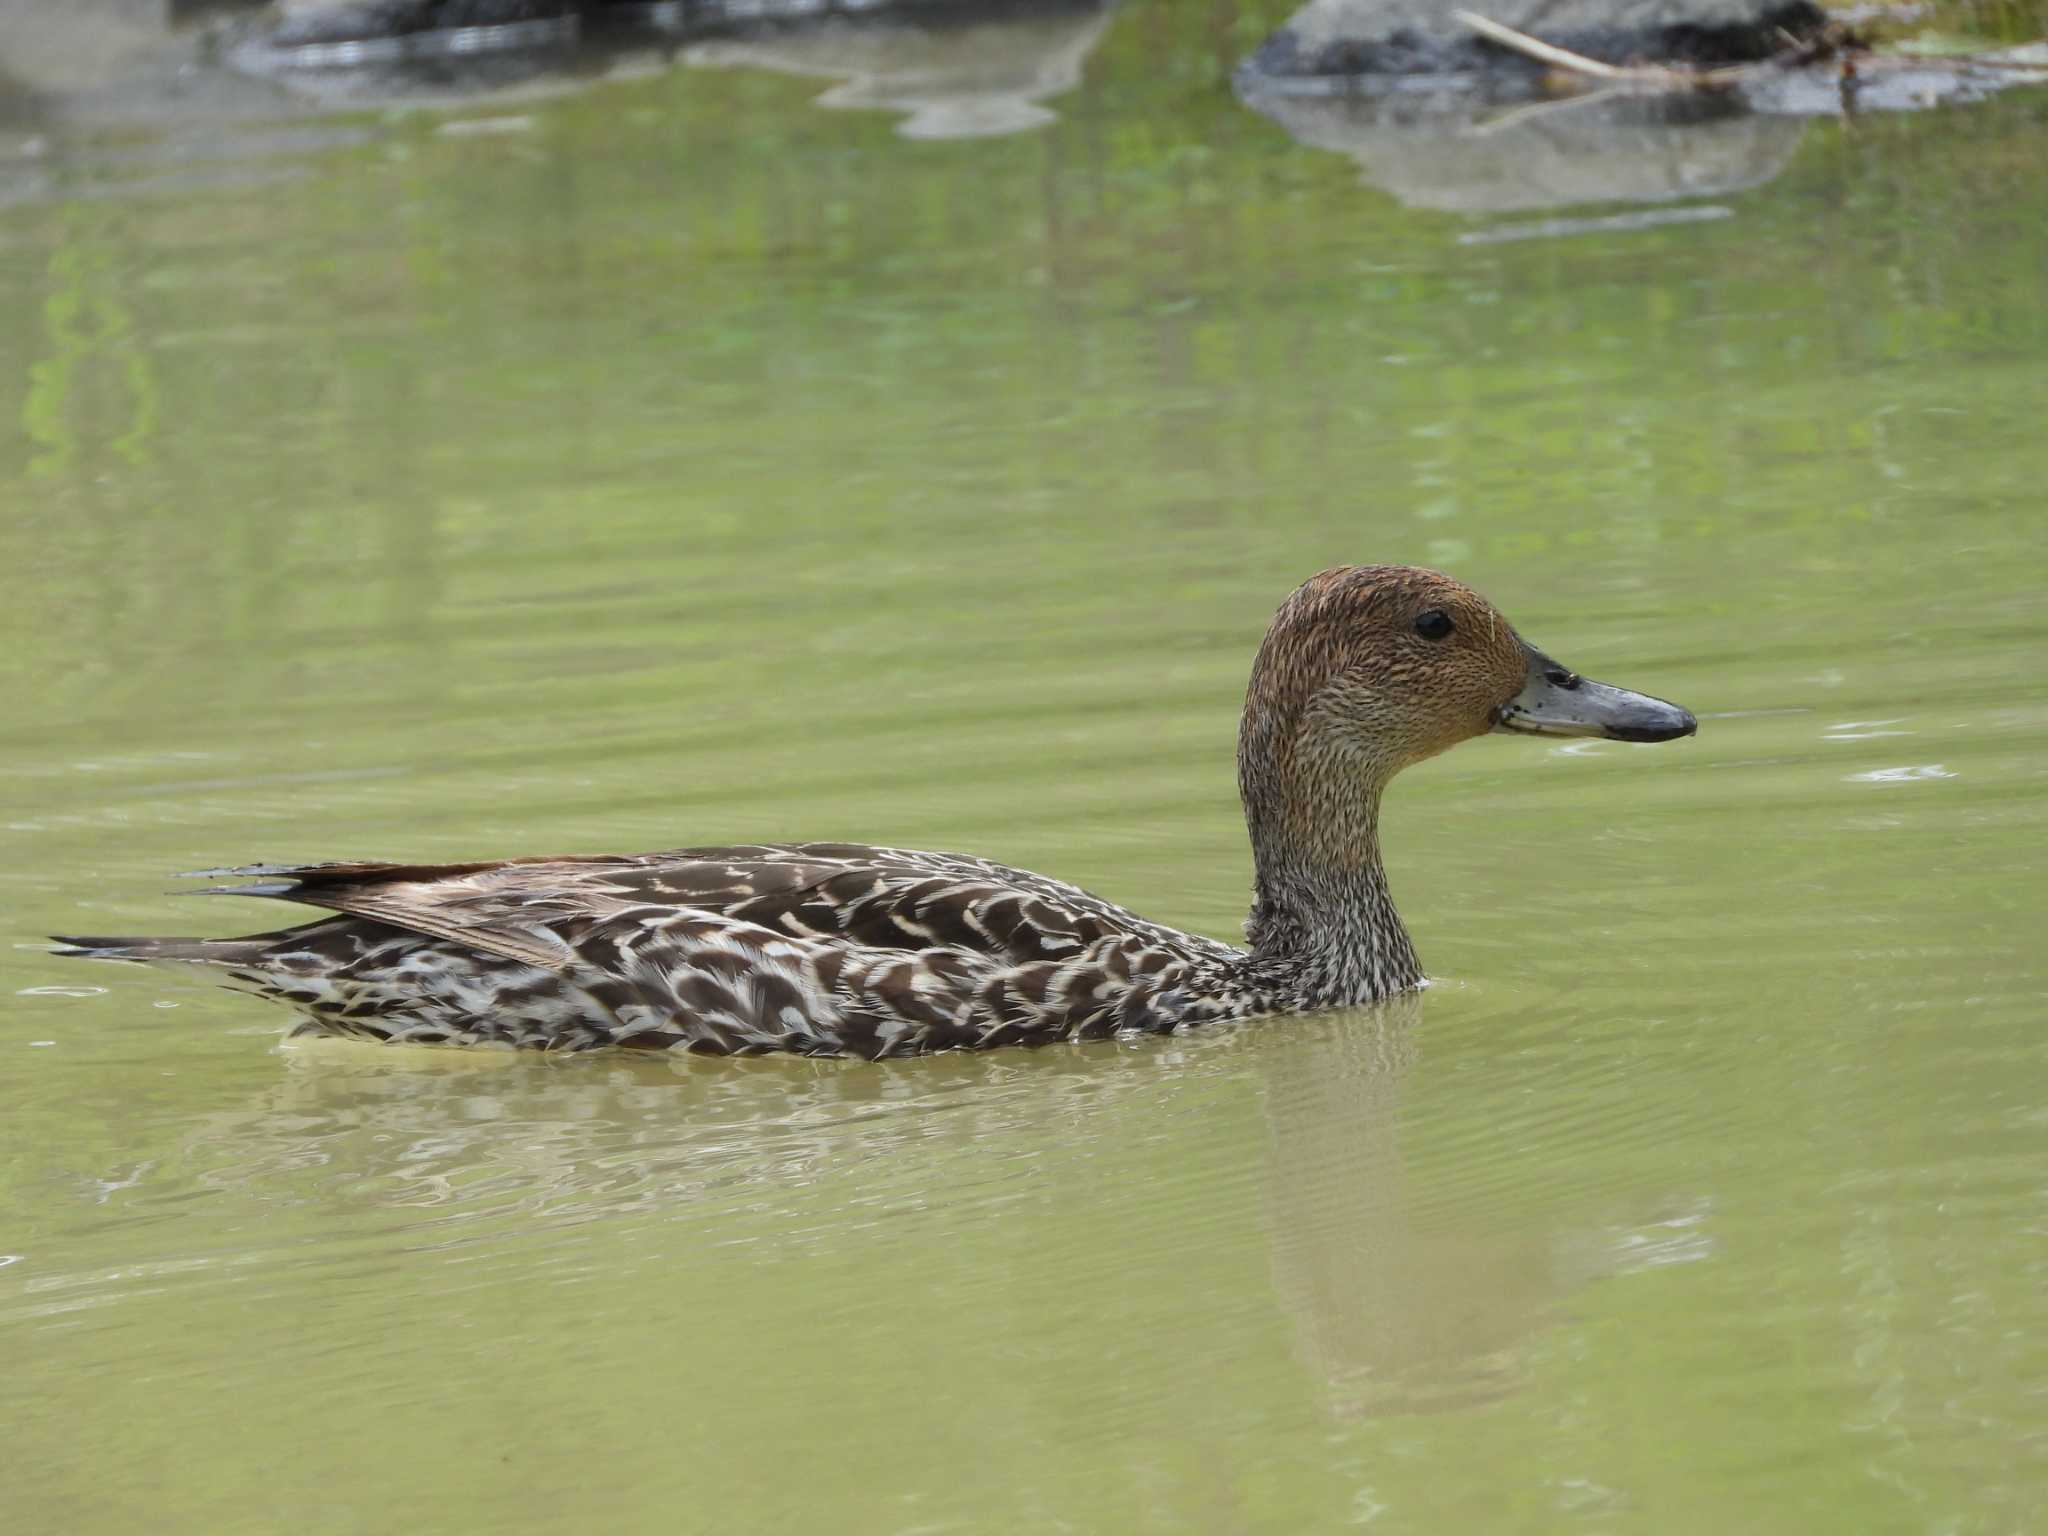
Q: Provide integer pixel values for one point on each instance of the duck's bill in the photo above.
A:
(1557, 702)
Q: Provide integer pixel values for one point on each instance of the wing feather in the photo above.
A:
(874, 898)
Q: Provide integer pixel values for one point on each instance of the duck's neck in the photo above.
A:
(1322, 923)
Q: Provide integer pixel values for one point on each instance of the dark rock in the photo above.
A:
(310, 25)
(328, 23)
(1328, 41)
(957, 68)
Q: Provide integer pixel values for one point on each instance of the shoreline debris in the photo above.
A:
(1836, 44)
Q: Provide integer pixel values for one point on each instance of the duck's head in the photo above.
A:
(1367, 669)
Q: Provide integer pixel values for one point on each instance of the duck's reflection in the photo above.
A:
(1391, 1310)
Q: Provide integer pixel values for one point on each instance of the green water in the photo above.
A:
(692, 464)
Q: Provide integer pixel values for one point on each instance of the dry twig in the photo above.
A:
(1667, 77)
(1834, 41)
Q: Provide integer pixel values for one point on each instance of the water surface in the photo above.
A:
(677, 461)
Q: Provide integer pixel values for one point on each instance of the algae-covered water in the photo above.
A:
(678, 461)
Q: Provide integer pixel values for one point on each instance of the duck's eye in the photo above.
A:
(1433, 624)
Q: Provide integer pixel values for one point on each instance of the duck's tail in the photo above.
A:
(228, 952)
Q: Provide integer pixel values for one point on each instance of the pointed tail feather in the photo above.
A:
(197, 951)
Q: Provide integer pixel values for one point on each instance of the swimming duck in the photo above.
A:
(843, 949)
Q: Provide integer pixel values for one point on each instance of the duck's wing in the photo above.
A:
(876, 898)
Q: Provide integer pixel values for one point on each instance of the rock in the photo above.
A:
(308, 23)
(312, 23)
(957, 68)
(1331, 40)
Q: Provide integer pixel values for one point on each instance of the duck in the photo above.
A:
(843, 949)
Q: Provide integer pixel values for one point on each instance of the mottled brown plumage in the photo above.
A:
(829, 948)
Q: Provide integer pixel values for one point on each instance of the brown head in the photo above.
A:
(1367, 669)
